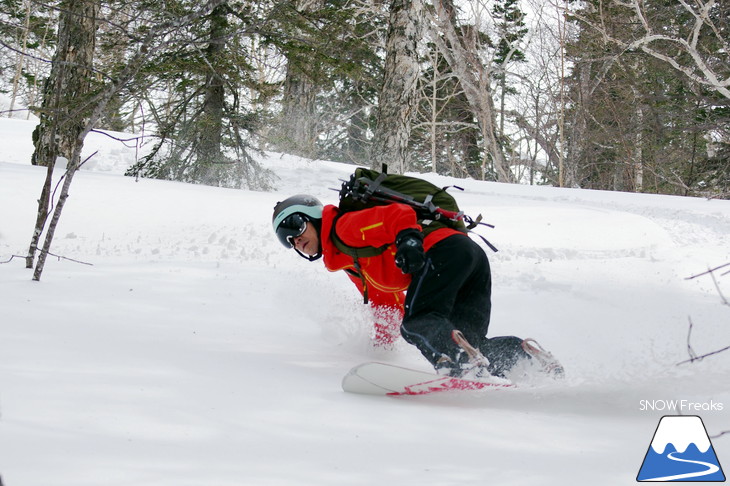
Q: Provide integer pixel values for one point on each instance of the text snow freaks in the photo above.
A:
(687, 406)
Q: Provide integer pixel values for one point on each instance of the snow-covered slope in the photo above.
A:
(196, 350)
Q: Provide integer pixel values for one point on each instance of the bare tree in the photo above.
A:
(537, 109)
(439, 90)
(26, 28)
(699, 49)
(693, 356)
(21, 59)
(460, 47)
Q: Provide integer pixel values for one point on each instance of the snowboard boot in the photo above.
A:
(519, 359)
(504, 354)
(468, 362)
(545, 361)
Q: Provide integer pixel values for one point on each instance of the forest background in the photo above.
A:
(630, 95)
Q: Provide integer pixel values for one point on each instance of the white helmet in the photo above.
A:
(291, 216)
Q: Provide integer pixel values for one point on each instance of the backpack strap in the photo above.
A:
(486, 241)
(371, 186)
(473, 223)
(358, 273)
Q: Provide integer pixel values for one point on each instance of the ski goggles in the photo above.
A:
(293, 226)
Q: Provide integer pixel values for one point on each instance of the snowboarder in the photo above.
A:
(438, 286)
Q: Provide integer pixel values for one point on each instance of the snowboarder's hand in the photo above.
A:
(409, 254)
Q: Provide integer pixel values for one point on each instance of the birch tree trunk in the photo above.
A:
(638, 155)
(20, 61)
(397, 101)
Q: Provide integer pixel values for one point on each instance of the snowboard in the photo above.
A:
(385, 379)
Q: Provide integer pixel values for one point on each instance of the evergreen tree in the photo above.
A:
(346, 105)
(202, 128)
(331, 80)
(299, 22)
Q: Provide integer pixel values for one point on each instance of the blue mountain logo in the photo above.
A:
(681, 451)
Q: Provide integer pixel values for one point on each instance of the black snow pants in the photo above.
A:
(453, 291)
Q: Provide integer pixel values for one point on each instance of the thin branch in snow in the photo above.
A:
(692, 355)
(711, 273)
(135, 139)
(11, 259)
(701, 357)
(60, 257)
(690, 350)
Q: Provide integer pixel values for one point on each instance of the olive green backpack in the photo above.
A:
(434, 206)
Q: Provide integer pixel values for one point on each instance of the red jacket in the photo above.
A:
(377, 226)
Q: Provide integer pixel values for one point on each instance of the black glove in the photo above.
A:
(409, 254)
